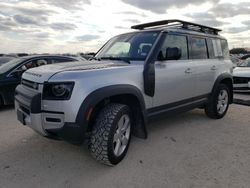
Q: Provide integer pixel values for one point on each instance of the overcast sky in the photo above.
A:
(59, 26)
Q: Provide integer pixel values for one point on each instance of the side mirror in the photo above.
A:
(173, 53)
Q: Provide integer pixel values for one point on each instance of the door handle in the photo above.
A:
(213, 67)
(188, 71)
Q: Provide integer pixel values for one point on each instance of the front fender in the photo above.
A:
(100, 94)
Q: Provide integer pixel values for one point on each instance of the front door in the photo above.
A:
(174, 79)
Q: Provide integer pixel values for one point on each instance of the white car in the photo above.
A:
(241, 77)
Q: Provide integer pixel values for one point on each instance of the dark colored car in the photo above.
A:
(11, 72)
(244, 57)
(5, 59)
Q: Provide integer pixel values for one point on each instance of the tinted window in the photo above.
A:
(60, 60)
(33, 64)
(198, 48)
(210, 47)
(174, 41)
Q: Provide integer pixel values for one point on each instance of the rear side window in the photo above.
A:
(198, 48)
(174, 41)
(211, 51)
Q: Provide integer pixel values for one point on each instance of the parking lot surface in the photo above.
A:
(189, 150)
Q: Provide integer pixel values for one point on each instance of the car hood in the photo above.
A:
(241, 72)
(44, 73)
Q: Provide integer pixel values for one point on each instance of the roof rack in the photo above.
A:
(180, 24)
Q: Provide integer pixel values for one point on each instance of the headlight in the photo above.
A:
(57, 91)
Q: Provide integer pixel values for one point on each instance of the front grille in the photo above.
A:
(30, 84)
(29, 99)
(241, 80)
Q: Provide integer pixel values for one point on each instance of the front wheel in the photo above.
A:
(218, 102)
(1, 102)
(111, 134)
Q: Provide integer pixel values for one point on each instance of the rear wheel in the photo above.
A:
(111, 134)
(218, 102)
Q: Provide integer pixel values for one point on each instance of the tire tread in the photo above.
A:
(100, 135)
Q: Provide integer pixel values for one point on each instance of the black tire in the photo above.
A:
(211, 109)
(1, 102)
(102, 144)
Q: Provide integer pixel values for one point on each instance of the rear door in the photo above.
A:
(174, 79)
(204, 53)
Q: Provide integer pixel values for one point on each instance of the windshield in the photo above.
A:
(9, 65)
(5, 60)
(131, 46)
(245, 63)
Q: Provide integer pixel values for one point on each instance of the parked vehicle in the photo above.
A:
(5, 59)
(235, 60)
(241, 76)
(244, 57)
(10, 73)
(160, 69)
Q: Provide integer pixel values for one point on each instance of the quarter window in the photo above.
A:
(198, 48)
(217, 48)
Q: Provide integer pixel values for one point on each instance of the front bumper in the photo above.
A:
(242, 87)
(49, 124)
(241, 84)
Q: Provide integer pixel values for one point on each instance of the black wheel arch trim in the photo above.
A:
(100, 94)
(220, 79)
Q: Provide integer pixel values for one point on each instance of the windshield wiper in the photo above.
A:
(94, 58)
(115, 58)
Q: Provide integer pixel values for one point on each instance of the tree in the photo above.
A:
(238, 51)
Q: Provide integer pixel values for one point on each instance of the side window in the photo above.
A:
(60, 60)
(198, 48)
(144, 49)
(211, 52)
(172, 44)
(34, 63)
(225, 50)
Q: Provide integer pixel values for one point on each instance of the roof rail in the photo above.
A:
(178, 23)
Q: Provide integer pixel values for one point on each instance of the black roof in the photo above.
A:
(178, 24)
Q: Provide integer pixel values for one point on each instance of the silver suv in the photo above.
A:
(163, 68)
